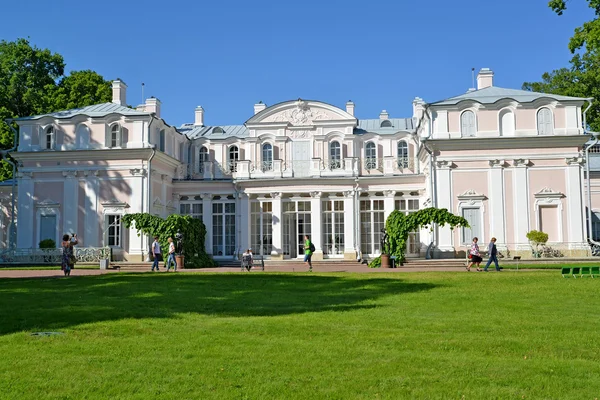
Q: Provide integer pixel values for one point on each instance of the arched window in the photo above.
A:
(468, 126)
(507, 123)
(370, 156)
(402, 154)
(267, 157)
(335, 155)
(203, 157)
(82, 137)
(218, 130)
(49, 138)
(386, 123)
(115, 136)
(545, 122)
(234, 155)
(161, 140)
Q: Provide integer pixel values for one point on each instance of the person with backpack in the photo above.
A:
(309, 248)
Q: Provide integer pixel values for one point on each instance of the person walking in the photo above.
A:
(171, 256)
(308, 251)
(475, 257)
(156, 253)
(68, 254)
(493, 254)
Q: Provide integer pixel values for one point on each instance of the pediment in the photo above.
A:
(548, 193)
(301, 113)
(471, 194)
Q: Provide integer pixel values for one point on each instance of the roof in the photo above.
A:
(195, 132)
(96, 110)
(493, 94)
(374, 126)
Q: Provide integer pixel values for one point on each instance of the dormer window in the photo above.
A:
(49, 138)
(114, 139)
(335, 155)
(386, 123)
(217, 130)
(370, 156)
(545, 121)
(234, 155)
(468, 127)
(203, 157)
(402, 154)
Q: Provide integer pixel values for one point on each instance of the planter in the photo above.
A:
(180, 261)
(385, 261)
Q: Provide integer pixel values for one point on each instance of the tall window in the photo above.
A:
(370, 156)
(161, 140)
(115, 135)
(49, 138)
(473, 216)
(413, 242)
(234, 155)
(267, 157)
(113, 230)
(223, 229)
(596, 226)
(335, 155)
(372, 222)
(261, 227)
(48, 227)
(297, 220)
(507, 123)
(333, 227)
(545, 122)
(191, 207)
(202, 159)
(468, 126)
(402, 154)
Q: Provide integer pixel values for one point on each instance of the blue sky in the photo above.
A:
(227, 55)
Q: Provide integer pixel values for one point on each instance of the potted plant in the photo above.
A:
(385, 249)
(536, 239)
(46, 245)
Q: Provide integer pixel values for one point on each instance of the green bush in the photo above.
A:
(47, 244)
(537, 238)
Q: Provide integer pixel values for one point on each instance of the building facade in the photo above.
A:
(507, 160)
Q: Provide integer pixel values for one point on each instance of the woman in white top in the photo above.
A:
(171, 256)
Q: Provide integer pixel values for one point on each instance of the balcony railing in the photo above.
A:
(316, 167)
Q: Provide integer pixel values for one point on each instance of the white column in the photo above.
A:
(576, 228)
(388, 203)
(70, 209)
(349, 226)
(444, 200)
(136, 183)
(90, 234)
(244, 230)
(26, 211)
(521, 203)
(496, 199)
(316, 236)
(207, 220)
(277, 251)
(163, 194)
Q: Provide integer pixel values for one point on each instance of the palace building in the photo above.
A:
(507, 160)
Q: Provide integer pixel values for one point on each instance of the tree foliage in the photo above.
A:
(398, 226)
(33, 81)
(582, 78)
(193, 230)
(537, 238)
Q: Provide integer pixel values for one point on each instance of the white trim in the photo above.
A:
(550, 202)
(460, 121)
(472, 204)
(47, 208)
(550, 108)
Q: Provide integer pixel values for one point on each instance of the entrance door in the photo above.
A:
(289, 235)
(301, 158)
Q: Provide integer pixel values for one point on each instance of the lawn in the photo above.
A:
(506, 335)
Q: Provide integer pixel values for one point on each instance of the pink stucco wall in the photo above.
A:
(554, 179)
(475, 180)
(509, 208)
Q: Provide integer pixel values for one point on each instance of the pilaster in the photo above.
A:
(207, 220)
(444, 192)
(25, 190)
(576, 225)
(277, 251)
(350, 226)
(316, 225)
(521, 203)
(496, 201)
(90, 234)
(70, 202)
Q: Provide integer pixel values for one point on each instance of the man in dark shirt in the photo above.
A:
(493, 254)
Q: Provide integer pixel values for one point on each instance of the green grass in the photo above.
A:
(531, 335)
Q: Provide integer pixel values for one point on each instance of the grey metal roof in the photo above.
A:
(195, 132)
(493, 94)
(374, 126)
(96, 110)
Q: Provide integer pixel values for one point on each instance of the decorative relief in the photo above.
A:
(497, 163)
(276, 195)
(300, 115)
(521, 162)
(389, 193)
(206, 196)
(315, 195)
(48, 204)
(90, 173)
(349, 193)
(299, 134)
(444, 164)
(70, 174)
(138, 171)
(575, 160)
(548, 194)
(114, 206)
(472, 196)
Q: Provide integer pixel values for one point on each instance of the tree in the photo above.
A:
(582, 78)
(193, 230)
(398, 226)
(32, 81)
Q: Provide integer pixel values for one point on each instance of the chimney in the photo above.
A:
(418, 107)
(384, 115)
(350, 107)
(119, 89)
(153, 106)
(485, 78)
(259, 107)
(199, 120)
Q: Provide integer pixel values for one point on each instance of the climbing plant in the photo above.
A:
(193, 230)
(398, 226)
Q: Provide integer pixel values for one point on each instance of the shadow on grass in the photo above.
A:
(51, 304)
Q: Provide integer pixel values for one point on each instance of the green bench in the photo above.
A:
(580, 272)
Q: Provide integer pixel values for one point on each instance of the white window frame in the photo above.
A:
(335, 160)
(118, 138)
(371, 162)
(52, 134)
(113, 208)
(537, 121)
(404, 161)
(468, 134)
(501, 128)
(162, 140)
(473, 200)
(47, 208)
(119, 236)
(267, 164)
(202, 158)
(549, 198)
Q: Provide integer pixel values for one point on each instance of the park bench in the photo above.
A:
(249, 262)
